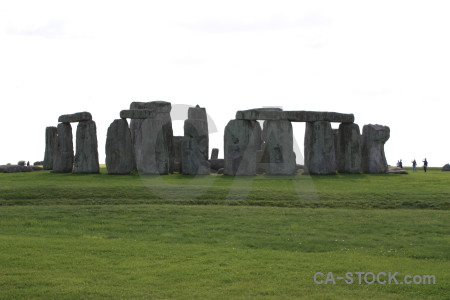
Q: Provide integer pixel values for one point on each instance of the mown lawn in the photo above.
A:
(65, 236)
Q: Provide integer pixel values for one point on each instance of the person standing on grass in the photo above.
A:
(425, 165)
(400, 164)
(414, 165)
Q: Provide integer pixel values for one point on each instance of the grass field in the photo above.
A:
(66, 236)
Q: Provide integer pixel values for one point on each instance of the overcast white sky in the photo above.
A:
(388, 62)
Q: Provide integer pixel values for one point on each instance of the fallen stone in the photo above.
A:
(349, 148)
(446, 167)
(217, 164)
(240, 145)
(119, 148)
(77, 117)
(278, 150)
(137, 114)
(50, 141)
(86, 157)
(37, 168)
(319, 149)
(195, 148)
(397, 171)
(63, 153)
(220, 171)
(373, 159)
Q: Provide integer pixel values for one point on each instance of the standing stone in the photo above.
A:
(278, 151)
(177, 140)
(86, 157)
(373, 139)
(119, 148)
(319, 149)
(194, 148)
(336, 148)
(161, 111)
(136, 139)
(154, 151)
(241, 141)
(63, 153)
(214, 153)
(50, 141)
(349, 148)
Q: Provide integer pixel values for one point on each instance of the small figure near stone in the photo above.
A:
(400, 164)
(414, 164)
(28, 163)
(425, 165)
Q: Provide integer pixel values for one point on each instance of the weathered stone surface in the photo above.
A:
(214, 153)
(136, 139)
(260, 114)
(37, 168)
(50, 141)
(176, 141)
(278, 148)
(137, 114)
(240, 145)
(349, 148)
(63, 153)
(220, 171)
(195, 148)
(15, 169)
(77, 117)
(446, 167)
(319, 149)
(157, 106)
(397, 171)
(86, 157)
(119, 148)
(162, 112)
(154, 153)
(197, 113)
(336, 147)
(294, 116)
(373, 159)
(217, 164)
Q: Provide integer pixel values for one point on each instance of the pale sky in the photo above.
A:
(387, 62)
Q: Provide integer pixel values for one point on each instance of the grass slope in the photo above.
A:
(65, 236)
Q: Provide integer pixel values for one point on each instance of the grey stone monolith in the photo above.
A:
(50, 141)
(119, 148)
(214, 153)
(86, 156)
(335, 142)
(154, 152)
(278, 152)
(160, 111)
(195, 148)
(373, 159)
(319, 149)
(242, 139)
(63, 152)
(177, 140)
(349, 148)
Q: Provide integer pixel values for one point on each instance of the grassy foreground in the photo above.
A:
(65, 236)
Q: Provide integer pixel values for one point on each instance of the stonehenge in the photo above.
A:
(348, 151)
(319, 149)
(373, 159)
(50, 141)
(119, 148)
(241, 141)
(86, 157)
(63, 151)
(278, 151)
(146, 144)
(195, 143)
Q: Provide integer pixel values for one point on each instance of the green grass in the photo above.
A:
(65, 236)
